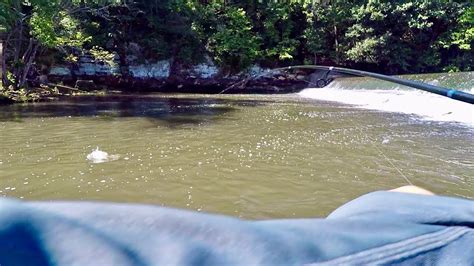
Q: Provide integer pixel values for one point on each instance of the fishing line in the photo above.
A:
(434, 89)
(269, 74)
(447, 92)
(386, 158)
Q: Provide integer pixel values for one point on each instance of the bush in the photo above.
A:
(228, 36)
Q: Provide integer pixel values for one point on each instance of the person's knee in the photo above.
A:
(413, 190)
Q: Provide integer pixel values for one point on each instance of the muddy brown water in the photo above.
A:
(247, 156)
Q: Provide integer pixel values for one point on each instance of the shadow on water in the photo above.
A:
(172, 112)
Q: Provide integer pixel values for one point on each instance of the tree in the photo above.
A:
(32, 25)
(228, 36)
(389, 36)
(328, 22)
(401, 37)
(457, 42)
(2, 61)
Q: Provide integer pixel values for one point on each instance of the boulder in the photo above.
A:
(86, 85)
(43, 79)
(60, 71)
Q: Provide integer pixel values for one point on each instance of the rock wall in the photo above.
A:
(158, 70)
(87, 66)
(170, 76)
(60, 71)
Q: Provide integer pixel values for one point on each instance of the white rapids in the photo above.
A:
(392, 98)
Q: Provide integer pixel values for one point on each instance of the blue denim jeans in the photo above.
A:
(377, 228)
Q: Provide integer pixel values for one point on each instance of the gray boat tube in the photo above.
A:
(451, 93)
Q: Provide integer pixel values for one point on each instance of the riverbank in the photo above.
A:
(53, 92)
(169, 76)
(33, 94)
(42, 93)
(89, 77)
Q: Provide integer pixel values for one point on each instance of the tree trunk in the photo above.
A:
(28, 58)
(1, 61)
(336, 43)
(17, 47)
(123, 65)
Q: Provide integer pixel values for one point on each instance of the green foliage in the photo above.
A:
(463, 35)
(369, 50)
(389, 36)
(32, 25)
(18, 95)
(234, 44)
(49, 22)
(104, 56)
(315, 37)
(228, 36)
(401, 37)
(8, 16)
(327, 24)
(277, 30)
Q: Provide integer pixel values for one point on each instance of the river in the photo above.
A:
(250, 156)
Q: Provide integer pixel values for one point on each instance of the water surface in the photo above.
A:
(247, 156)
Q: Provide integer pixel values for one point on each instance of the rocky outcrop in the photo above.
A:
(158, 70)
(60, 71)
(170, 76)
(87, 66)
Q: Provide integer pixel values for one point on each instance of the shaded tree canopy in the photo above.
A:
(392, 37)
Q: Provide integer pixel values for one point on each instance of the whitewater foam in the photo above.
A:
(425, 105)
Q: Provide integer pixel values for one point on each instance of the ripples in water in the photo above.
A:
(248, 156)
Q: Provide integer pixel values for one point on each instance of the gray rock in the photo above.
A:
(60, 71)
(205, 70)
(85, 84)
(43, 79)
(158, 70)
